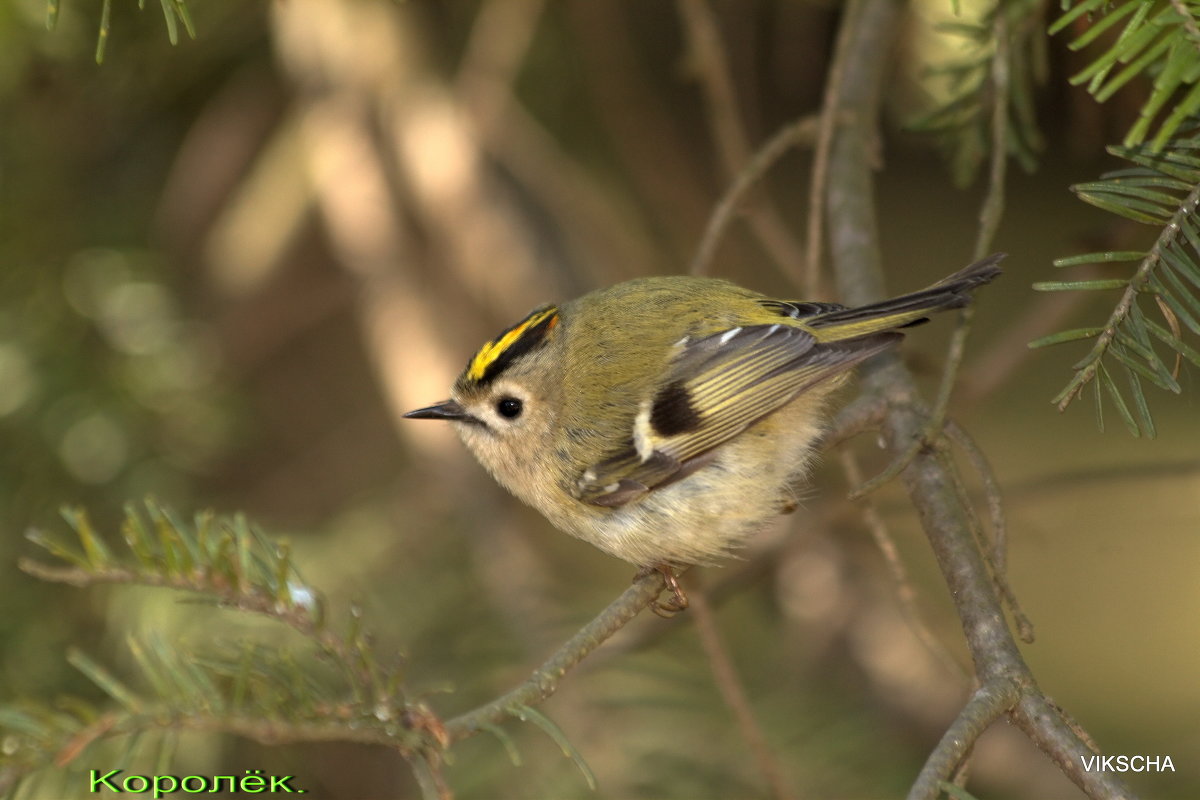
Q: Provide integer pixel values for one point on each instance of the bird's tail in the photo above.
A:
(908, 309)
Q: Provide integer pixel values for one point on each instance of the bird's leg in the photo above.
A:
(678, 600)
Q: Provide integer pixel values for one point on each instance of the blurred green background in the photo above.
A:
(227, 267)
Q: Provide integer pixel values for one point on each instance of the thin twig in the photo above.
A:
(997, 553)
(733, 693)
(545, 679)
(214, 587)
(1024, 624)
(905, 592)
(864, 413)
(712, 67)
(929, 435)
(1056, 736)
(992, 210)
(963, 773)
(987, 704)
(830, 112)
(987, 550)
(897, 465)
(429, 777)
(725, 118)
(257, 727)
(795, 134)
(954, 358)
(991, 491)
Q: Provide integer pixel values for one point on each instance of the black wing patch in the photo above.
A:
(674, 411)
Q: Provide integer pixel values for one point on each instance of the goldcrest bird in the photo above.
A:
(665, 419)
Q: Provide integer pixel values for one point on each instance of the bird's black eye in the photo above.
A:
(509, 407)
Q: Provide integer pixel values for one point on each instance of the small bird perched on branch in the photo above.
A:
(666, 419)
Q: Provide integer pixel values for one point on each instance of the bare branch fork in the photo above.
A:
(1006, 684)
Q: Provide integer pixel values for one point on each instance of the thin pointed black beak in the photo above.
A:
(447, 409)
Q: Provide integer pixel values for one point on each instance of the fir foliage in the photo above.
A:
(335, 689)
(1157, 40)
(1007, 39)
(1145, 338)
(175, 14)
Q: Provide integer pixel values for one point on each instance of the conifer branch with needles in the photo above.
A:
(225, 559)
(1144, 343)
(175, 16)
(344, 692)
(1159, 40)
(338, 688)
(1003, 63)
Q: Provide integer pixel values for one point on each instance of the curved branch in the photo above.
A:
(1066, 745)
(986, 705)
(725, 118)
(794, 134)
(545, 679)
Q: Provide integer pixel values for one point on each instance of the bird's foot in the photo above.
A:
(678, 600)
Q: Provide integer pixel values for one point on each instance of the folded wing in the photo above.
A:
(714, 388)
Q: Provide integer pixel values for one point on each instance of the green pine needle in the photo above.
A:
(528, 714)
(1155, 42)
(1144, 334)
(1078, 286)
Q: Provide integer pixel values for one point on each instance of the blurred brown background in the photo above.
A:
(227, 267)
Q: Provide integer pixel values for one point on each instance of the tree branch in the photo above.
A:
(854, 244)
(986, 705)
(545, 679)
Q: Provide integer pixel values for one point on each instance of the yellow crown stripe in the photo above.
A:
(490, 352)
